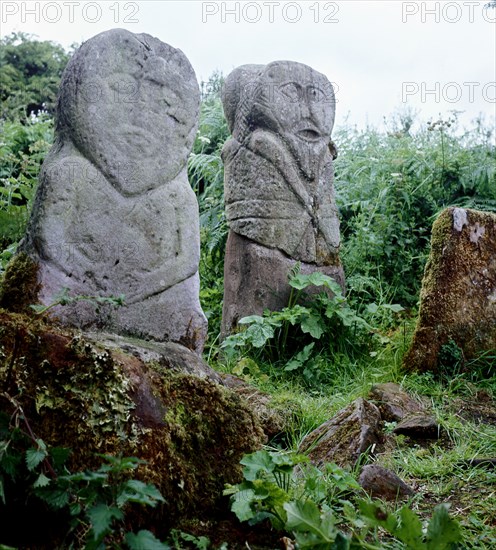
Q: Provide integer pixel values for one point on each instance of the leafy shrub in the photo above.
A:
(23, 147)
(310, 326)
(308, 503)
(96, 501)
(30, 72)
(390, 186)
(206, 175)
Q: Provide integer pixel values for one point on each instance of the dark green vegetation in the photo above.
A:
(313, 358)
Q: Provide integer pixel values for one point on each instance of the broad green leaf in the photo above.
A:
(251, 319)
(134, 490)
(292, 365)
(319, 279)
(259, 333)
(241, 504)
(42, 481)
(395, 308)
(305, 516)
(312, 325)
(291, 315)
(300, 359)
(38, 308)
(256, 463)
(59, 456)
(348, 316)
(376, 516)
(372, 308)
(246, 366)
(299, 281)
(34, 457)
(409, 530)
(57, 498)
(200, 543)
(2, 491)
(144, 540)
(341, 542)
(442, 530)
(101, 517)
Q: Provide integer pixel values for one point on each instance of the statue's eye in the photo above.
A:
(291, 91)
(315, 95)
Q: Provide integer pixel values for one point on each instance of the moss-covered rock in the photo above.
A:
(19, 287)
(457, 318)
(191, 431)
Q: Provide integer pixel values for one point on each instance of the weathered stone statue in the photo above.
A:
(114, 213)
(278, 184)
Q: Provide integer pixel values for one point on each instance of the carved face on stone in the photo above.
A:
(133, 111)
(295, 100)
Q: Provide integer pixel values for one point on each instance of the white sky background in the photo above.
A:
(381, 55)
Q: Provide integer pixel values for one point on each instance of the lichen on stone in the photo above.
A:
(459, 282)
(190, 431)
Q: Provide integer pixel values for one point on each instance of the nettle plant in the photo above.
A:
(310, 504)
(95, 501)
(310, 328)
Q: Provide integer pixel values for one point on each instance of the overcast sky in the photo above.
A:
(382, 56)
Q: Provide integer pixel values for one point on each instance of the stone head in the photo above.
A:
(286, 97)
(130, 104)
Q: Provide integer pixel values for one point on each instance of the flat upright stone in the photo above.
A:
(343, 438)
(278, 182)
(458, 297)
(114, 213)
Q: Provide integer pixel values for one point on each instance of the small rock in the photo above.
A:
(343, 438)
(393, 402)
(379, 482)
(419, 426)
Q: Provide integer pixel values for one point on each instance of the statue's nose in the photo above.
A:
(305, 107)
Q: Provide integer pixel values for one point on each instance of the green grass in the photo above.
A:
(437, 470)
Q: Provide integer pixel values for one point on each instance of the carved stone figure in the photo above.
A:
(279, 192)
(114, 213)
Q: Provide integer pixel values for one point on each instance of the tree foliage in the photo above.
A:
(30, 72)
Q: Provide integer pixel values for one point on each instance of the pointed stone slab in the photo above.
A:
(458, 298)
(343, 438)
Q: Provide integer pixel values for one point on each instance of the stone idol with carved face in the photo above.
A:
(114, 213)
(279, 193)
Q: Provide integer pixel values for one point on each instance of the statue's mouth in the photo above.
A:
(309, 134)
